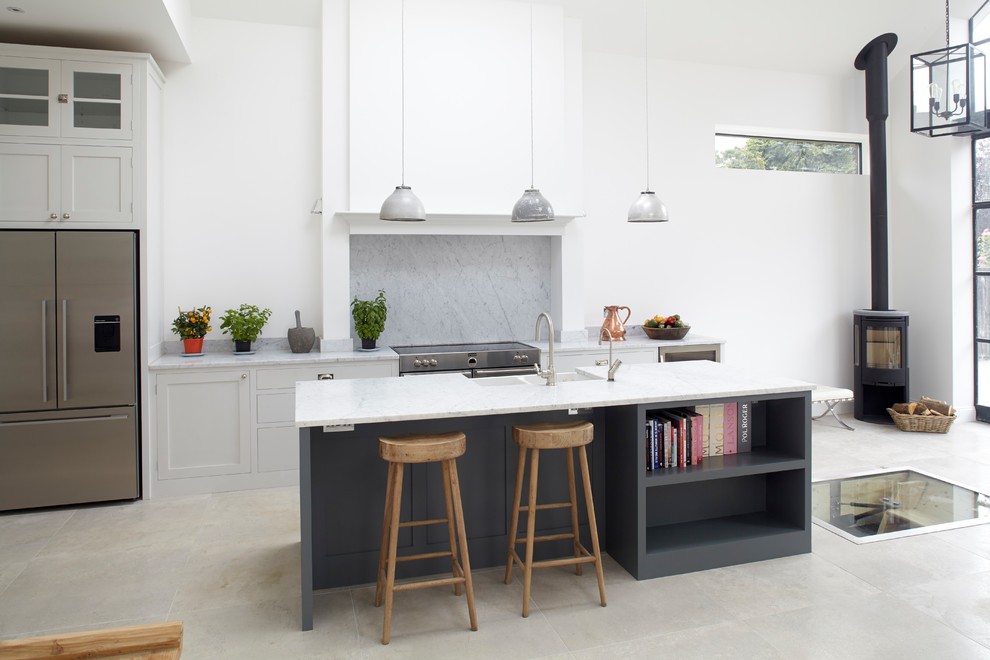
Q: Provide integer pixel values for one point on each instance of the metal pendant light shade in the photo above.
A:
(532, 207)
(403, 205)
(648, 208)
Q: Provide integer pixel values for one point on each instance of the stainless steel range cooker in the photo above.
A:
(472, 360)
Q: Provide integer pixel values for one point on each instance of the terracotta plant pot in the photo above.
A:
(192, 346)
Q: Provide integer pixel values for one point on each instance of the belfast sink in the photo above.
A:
(563, 377)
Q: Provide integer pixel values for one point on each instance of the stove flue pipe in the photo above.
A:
(873, 60)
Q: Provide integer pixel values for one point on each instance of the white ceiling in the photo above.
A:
(794, 35)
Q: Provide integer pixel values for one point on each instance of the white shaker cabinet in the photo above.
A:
(204, 424)
(65, 98)
(467, 105)
(64, 185)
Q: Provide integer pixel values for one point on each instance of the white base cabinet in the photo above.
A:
(223, 429)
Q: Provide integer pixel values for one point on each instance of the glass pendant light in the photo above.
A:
(403, 205)
(532, 206)
(647, 207)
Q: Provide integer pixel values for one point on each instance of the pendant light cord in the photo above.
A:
(946, 23)
(403, 101)
(532, 132)
(646, 46)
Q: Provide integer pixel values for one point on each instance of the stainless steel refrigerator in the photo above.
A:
(68, 368)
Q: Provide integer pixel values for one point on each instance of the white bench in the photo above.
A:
(831, 396)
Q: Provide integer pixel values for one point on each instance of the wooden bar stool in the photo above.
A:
(441, 447)
(534, 437)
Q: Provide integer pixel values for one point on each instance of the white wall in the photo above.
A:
(241, 171)
(774, 262)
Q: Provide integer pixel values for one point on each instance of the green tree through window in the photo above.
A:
(769, 153)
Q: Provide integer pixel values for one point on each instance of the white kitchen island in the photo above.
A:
(730, 509)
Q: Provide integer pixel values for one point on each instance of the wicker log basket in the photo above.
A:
(925, 415)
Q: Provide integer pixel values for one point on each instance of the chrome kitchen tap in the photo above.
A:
(550, 374)
(612, 366)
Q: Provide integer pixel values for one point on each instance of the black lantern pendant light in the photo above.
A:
(948, 89)
(647, 207)
(403, 205)
(532, 206)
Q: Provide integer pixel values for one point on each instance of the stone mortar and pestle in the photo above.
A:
(301, 339)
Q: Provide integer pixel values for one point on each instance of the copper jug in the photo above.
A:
(612, 323)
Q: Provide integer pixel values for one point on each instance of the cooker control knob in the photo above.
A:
(433, 363)
(525, 358)
(418, 363)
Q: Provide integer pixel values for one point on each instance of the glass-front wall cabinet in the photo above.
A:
(68, 99)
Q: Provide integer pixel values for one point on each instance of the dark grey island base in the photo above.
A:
(728, 510)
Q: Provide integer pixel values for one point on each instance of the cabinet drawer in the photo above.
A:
(273, 379)
(278, 449)
(279, 407)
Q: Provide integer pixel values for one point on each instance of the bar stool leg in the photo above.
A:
(592, 522)
(534, 466)
(383, 550)
(393, 543)
(455, 486)
(454, 566)
(574, 508)
(514, 525)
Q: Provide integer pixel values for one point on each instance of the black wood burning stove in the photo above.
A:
(880, 342)
(880, 364)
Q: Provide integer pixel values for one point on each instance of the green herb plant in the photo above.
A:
(245, 322)
(369, 316)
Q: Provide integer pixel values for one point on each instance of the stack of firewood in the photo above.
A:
(925, 406)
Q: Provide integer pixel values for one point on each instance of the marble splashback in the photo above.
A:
(444, 289)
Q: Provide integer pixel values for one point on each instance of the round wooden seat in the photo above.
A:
(443, 448)
(553, 436)
(422, 448)
(532, 439)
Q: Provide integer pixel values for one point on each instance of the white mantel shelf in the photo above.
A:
(455, 224)
(371, 400)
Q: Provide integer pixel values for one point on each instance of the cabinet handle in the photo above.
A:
(44, 351)
(65, 350)
(601, 363)
(324, 376)
(65, 216)
(54, 216)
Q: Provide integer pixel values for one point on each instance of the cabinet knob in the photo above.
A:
(65, 216)
(63, 98)
(243, 376)
(601, 363)
(54, 216)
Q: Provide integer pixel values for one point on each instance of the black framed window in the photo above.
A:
(979, 34)
(765, 152)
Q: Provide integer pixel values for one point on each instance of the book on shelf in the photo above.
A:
(730, 428)
(745, 436)
(697, 436)
(669, 442)
(679, 424)
(705, 411)
(716, 429)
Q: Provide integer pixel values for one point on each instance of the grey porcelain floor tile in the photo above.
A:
(270, 629)
(249, 516)
(637, 610)
(224, 575)
(723, 641)
(90, 590)
(877, 627)
(779, 585)
(9, 572)
(976, 539)
(962, 603)
(23, 535)
(895, 563)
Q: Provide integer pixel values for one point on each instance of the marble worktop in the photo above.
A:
(369, 400)
(269, 358)
(635, 339)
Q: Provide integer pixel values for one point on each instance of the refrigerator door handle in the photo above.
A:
(44, 351)
(68, 420)
(65, 349)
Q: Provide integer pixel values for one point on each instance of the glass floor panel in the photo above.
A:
(893, 503)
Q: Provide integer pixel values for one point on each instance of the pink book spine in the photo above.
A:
(697, 431)
(730, 430)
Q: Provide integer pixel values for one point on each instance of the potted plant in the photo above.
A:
(369, 318)
(191, 327)
(244, 324)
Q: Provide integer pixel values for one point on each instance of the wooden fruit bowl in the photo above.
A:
(666, 333)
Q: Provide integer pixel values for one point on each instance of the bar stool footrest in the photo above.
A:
(548, 537)
(438, 582)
